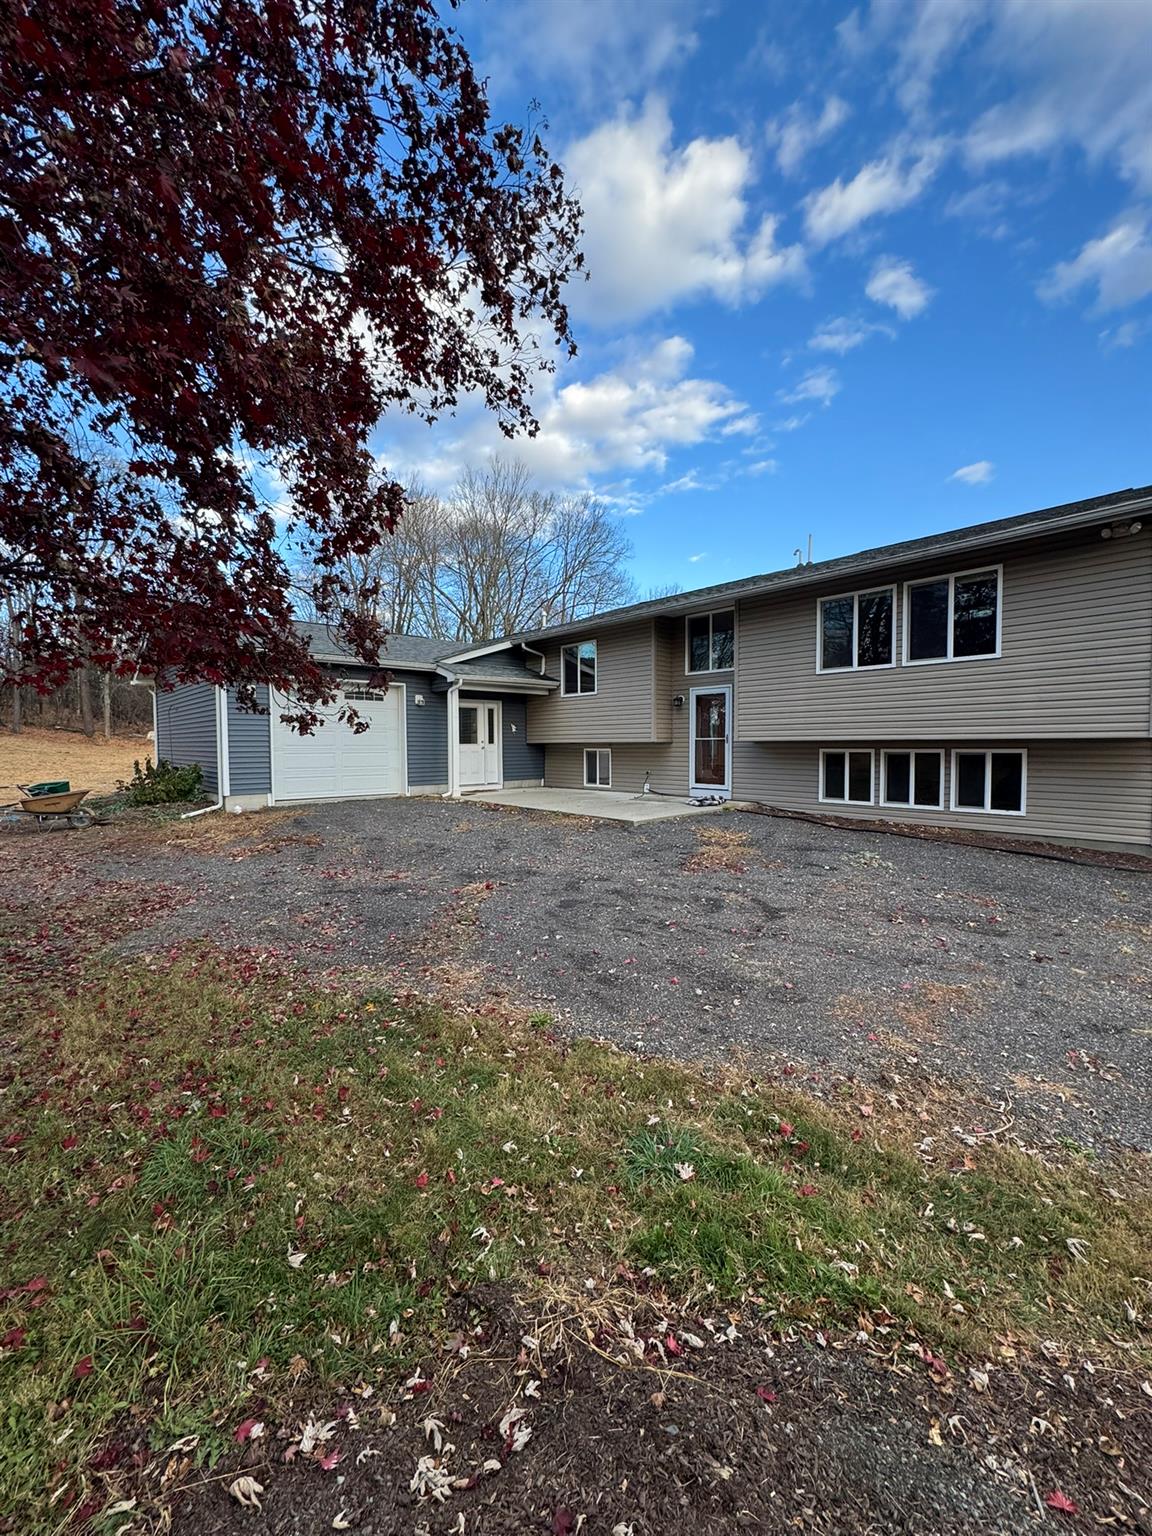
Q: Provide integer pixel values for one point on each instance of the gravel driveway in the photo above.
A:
(842, 952)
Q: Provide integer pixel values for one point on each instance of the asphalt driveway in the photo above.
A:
(837, 952)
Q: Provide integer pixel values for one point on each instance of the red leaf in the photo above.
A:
(563, 1522)
(14, 1339)
(329, 1461)
(786, 1129)
(244, 1431)
(69, 1142)
(421, 1181)
(1061, 1501)
(83, 1367)
(808, 1189)
(672, 1346)
(766, 1395)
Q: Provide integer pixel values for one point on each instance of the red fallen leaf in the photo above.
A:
(1061, 1501)
(421, 1181)
(329, 1461)
(69, 1142)
(563, 1521)
(244, 1431)
(83, 1367)
(786, 1129)
(497, 1183)
(766, 1395)
(672, 1346)
(38, 1283)
(865, 1110)
(808, 1189)
(450, 1176)
(14, 1339)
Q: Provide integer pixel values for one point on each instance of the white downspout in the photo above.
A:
(223, 779)
(453, 741)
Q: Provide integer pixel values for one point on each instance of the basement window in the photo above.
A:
(995, 782)
(913, 778)
(598, 768)
(846, 777)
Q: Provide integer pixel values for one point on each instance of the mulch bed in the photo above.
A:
(810, 1434)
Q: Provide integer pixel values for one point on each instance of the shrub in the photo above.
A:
(162, 783)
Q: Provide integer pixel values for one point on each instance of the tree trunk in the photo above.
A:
(106, 690)
(14, 663)
(84, 687)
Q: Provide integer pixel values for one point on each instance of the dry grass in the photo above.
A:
(95, 764)
(719, 848)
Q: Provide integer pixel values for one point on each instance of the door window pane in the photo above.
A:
(898, 778)
(969, 791)
(928, 621)
(491, 727)
(723, 641)
(834, 781)
(469, 723)
(836, 632)
(698, 632)
(860, 776)
(874, 629)
(928, 786)
(1006, 781)
(974, 605)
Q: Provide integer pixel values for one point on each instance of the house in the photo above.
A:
(997, 677)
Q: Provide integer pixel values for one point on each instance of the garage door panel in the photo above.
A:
(337, 763)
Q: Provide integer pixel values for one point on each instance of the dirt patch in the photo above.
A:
(719, 848)
(645, 1424)
(95, 764)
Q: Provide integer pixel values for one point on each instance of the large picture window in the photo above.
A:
(990, 781)
(856, 631)
(952, 618)
(913, 778)
(578, 667)
(712, 641)
(847, 777)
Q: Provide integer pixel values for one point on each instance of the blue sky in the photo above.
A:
(861, 272)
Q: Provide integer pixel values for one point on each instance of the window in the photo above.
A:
(913, 778)
(598, 768)
(469, 727)
(361, 691)
(578, 668)
(712, 641)
(846, 777)
(989, 781)
(856, 631)
(953, 618)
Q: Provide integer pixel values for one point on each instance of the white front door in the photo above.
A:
(710, 768)
(481, 758)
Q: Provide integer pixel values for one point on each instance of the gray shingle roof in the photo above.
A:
(399, 650)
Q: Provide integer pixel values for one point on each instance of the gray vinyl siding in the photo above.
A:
(1076, 656)
(621, 709)
(249, 755)
(665, 761)
(186, 729)
(523, 759)
(1085, 791)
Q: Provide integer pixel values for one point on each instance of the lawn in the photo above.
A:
(88, 763)
(223, 1178)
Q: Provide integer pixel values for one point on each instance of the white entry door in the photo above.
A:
(481, 758)
(710, 771)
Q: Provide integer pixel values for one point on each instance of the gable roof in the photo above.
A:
(420, 653)
(1070, 514)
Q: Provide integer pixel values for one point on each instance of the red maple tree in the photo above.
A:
(234, 235)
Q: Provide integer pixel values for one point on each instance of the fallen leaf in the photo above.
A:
(83, 1367)
(329, 1461)
(251, 1429)
(1061, 1502)
(341, 1522)
(766, 1395)
(247, 1491)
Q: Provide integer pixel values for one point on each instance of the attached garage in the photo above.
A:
(336, 762)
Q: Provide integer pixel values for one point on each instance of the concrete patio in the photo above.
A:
(606, 804)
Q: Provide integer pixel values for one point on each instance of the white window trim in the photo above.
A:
(910, 805)
(841, 751)
(874, 666)
(951, 577)
(587, 693)
(599, 783)
(710, 615)
(986, 809)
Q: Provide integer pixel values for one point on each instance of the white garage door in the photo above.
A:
(335, 763)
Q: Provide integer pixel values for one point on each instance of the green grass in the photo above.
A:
(222, 1171)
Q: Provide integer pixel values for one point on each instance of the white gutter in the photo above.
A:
(453, 701)
(223, 778)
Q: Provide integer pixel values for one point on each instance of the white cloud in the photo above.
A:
(762, 467)
(797, 132)
(695, 559)
(845, 335)
(1119, 264)
(600, 48)
(629, 419)
(790, 423)
(1127, 334)
(974, 474)
(819, 384)
(895, 284)
(666, 223)
(881, 186)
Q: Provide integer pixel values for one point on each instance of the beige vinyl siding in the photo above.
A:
(666, 760)
(619, 710)
(1085, 791)
(1076, 657)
